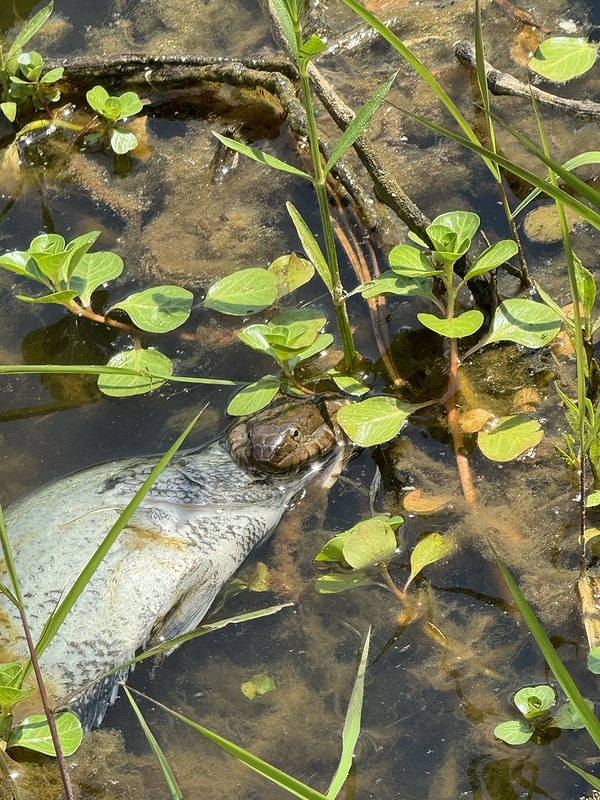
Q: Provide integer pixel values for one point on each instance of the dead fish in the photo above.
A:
(196, 526)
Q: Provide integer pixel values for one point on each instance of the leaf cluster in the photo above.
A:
(114, 110)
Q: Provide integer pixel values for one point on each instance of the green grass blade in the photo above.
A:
(562, 675)
(171, 782)
(587, 213)
(589, 157)
(352, 725)
(591, 779)
(15, 596)
(420, 68)
(483, 86)
(359, 123)
(263, 768)
(258, 155)
(310, 245)
(55, 621)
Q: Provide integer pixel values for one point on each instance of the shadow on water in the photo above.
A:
(435, 688)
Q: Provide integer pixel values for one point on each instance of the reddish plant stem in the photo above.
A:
(60, 759)
(462, 462)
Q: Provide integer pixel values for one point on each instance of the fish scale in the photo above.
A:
(193, 530)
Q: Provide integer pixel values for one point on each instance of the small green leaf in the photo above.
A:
(257, 155)
(310, 245)
(464, 223)
(359, 123)
(586, 285)
(348, 383)
(411, 262)
(369, 543)
(391, 283)
(253, 397)
(593, 660)
(61, 298)
(514, 732)
(524, 322)
(122, 141)
(312, 320)
(148, 363)
(311, 48)
(291, 272)
(159, 309)
(533, 701)
(431, 548)
(243, 292)
(341, 582)
(562, 58)
(510, 437)
(93, 270)
(34, 734)
(130, 104)
(9, 109)
(592, 500)
(567, 718)
(493, 257)
(28, 31)
(259, 685)
(374, 420)
(464, 325)
(97, 97)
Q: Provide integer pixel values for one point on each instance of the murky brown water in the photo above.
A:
(435, 690)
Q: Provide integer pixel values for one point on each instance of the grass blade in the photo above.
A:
(268, 771)
(55, 621)
(562, 675)
(591, 779)
(84, 369)
(352, 725)
(171, 782)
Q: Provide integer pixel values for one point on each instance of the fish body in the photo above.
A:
(193, 530)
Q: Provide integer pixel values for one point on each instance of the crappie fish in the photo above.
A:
(193, 530)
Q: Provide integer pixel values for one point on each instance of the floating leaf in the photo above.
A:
(148, 363)
(159, 309)
(418, 502)
(431, 548)
(514, 732)
(259, 685)
(567, 718)
(34, 734)
(369, 543)
(253, 397)
(562, 58)
(464, 325)
(341, 582)
(122, 141)
(374, 420)
(524, 322)
(291, 272)
(533, 701)
(243, 292)
(593, 660)
(510, 437)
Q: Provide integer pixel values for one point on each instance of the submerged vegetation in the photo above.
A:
(468, 293)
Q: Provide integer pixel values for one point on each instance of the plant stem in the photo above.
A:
(320, 184)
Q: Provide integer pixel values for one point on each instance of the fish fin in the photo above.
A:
(92, 705)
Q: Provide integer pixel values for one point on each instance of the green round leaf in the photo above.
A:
(407, 260)
(122, 141)
(524, 322)
(130, 104)
(34, 734)
(514, 732)
(291, 272)
(374, 420)
(158, 309)
(92, 271)
(464, 224)
(97, 97)
(369, 543)
(510, 437)
(593, 660)
(533, 701)
(147, 363)
(567, 718)
(464, 325)
(244, 292)
(391, 283)
(253, 397)
(258, 686)
(431, 548)
(561, 58)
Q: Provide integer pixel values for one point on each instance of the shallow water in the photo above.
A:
(436, 689)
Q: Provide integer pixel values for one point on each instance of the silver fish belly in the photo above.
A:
(193, 530)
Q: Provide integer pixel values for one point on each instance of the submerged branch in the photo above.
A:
(502, 83)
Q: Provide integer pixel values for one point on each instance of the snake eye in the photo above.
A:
(295, 433)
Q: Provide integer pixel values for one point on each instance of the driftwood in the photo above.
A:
(502, 83)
